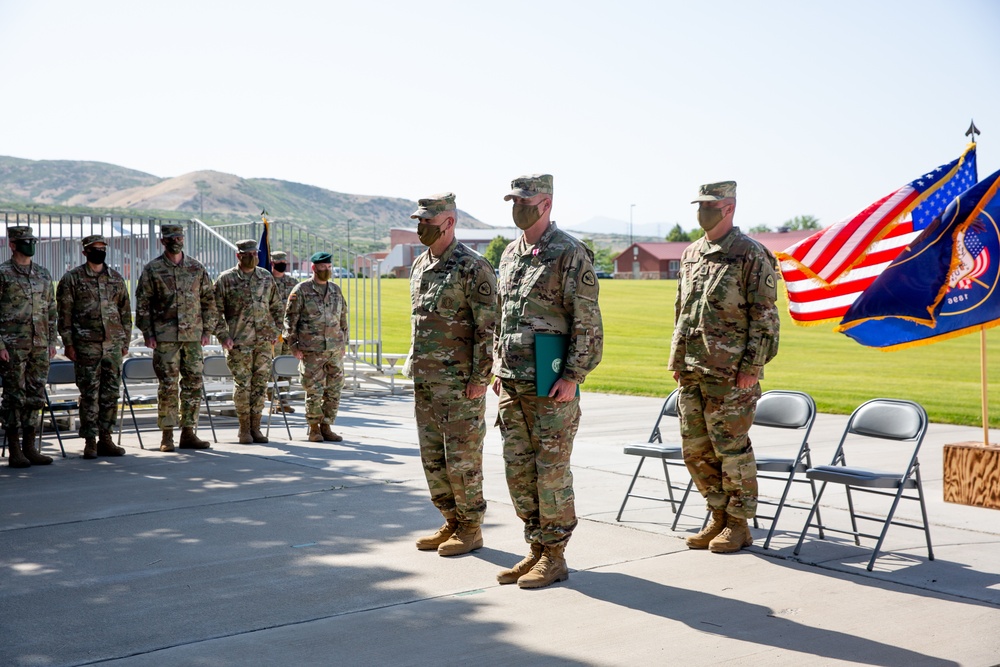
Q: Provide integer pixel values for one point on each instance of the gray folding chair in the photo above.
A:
(60, 372)
(780, 409)
(215, 368)
(136, 370)
(882, 419)
(282, 366)
(669, 454)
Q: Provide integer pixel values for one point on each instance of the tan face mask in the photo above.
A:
(708, 218)
(248, 262)
(525, 216)
(428, 233)
(323, 274)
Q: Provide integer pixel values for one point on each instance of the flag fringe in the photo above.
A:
(938, 338)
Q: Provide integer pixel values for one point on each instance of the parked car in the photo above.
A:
(341, 272)
(604, 274)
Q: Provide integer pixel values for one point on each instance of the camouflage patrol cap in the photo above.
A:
(170, 231)
(246, 245)
(20, 234)
(433, 205)
(279, 255)
(529, 186)
(92, 239)
(716, 191)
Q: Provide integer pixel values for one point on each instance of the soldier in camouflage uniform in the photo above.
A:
(95, 323)
(175, 310)
(27, 343)
(285, 283)
(547, 285)
(453, 298)
(316, 332)
(725, 330)
(250, 318)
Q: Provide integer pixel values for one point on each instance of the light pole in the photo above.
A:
(630, 208)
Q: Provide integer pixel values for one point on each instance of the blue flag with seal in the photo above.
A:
(943, 285)
(264, 247)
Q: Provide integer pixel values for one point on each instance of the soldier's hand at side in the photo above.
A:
(496, 385)
(677, 376)
(125, 351)
(297, 354)
(473, 391)
(746, 380)
(52, 352)
(4, 355)
(151, 343)
(204, 339)
(563, 391)
(226, 344)
(70, 353)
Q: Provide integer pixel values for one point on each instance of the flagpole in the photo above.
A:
(985, 398)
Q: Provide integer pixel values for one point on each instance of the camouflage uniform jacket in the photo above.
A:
(94, 307)
(175, 302)
(249, 306)
(27, 307)
(453, 299)
(316, 321)
(725, 317)
(285, 286)
(548, 288)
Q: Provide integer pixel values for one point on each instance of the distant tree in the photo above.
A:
(603, 257)
(759, 229)
(800, 222)
(696, 233)
(677, 234)
(495, 249)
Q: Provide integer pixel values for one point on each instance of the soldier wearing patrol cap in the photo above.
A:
(316, 331)
(453, 313)
(95, 323)
(285, 284)
(27, 343)
(250, 319)
(547, 285)
(725, 329)
(175, 310)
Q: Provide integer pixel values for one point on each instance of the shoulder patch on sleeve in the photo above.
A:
(769, 281)
(588, 278)
(485, 288)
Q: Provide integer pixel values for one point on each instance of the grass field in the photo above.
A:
(836, 371)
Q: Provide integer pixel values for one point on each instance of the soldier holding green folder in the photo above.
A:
(547, 286)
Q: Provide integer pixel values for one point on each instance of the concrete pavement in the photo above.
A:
(298, 553)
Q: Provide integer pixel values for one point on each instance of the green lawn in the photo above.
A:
(836, 371)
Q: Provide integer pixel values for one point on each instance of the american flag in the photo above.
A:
(826, 272)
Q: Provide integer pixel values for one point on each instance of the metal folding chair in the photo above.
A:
(882, 419)
(216, 368)
(60, 372)
(282, 366)
(136, 370)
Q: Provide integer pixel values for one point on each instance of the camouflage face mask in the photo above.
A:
(428, 233)
(174, 246)
(708, 218)
(525, 216)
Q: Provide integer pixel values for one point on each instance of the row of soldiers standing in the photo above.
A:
(177, 309)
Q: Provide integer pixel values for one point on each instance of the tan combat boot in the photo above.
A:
(244, 435)
(734, 537)
(314, 434)
(107, 447)
(190, 440)
(434, 540)
(524, 567)
(15, 458)
(167, 441)
(549, 569)
(255, 433)
(715, 526)
(28, 444)
(467, 537)
(90, 447)
(328, 433)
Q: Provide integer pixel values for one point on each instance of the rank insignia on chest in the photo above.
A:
(485, 289)
(588, 279)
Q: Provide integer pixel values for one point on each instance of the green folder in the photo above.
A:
(550, 357)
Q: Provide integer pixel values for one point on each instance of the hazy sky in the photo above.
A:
(813, 107)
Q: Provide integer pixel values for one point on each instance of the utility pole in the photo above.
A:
(631, 207)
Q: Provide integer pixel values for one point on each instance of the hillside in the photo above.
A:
(212, 196)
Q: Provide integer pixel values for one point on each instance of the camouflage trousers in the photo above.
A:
(451, 428)
(250, 365)
(178, 366)
(323, 378)
(538, 437)
(98, 370)
(715, 417)
(24, 379)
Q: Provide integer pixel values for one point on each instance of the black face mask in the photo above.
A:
(280, 267)
(26, 248)
(95, 256)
